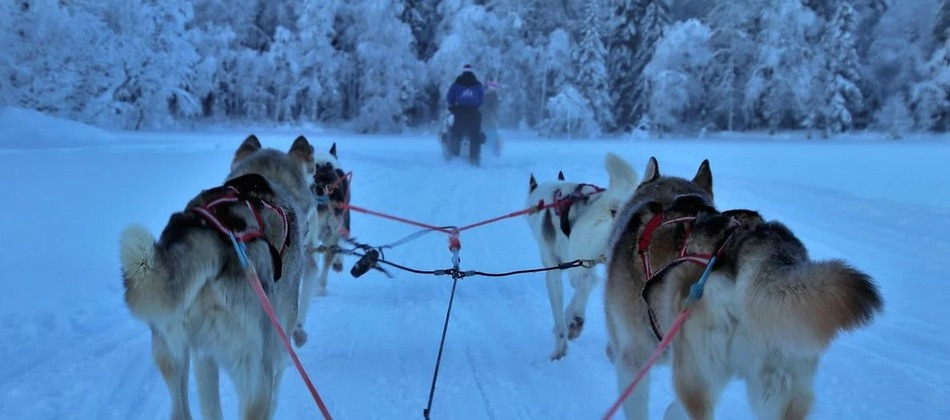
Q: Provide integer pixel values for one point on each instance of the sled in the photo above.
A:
(449, 150)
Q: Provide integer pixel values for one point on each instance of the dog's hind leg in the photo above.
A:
(206, 379)
(694, 391)
(582, 280)
(782, 388)
(254, 382)
(631, 345)
(636, 406)
(171, 356)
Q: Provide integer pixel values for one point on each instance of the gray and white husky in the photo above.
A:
(329, 225)
(190, 288)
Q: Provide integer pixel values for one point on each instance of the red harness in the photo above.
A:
(643, 248)
(562, 203)
(341, 208)
(232, 195)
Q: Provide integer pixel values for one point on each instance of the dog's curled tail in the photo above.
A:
(144, 278)
(620, 172)
(806, 307)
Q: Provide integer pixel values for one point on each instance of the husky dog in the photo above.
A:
(329, 225)
(191, 290)
(767, 314)
(576, 229)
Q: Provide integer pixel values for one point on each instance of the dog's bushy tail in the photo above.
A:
(620, 172)
(804, 307)
(153, 290)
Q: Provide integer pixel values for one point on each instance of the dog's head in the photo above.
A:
(665, 188)
(329, 180)
(714, 230)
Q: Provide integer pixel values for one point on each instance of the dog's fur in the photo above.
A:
(767, 314)
(191, 290)
(581, 233)
(330, 224)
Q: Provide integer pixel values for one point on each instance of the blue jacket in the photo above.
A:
(466, 91)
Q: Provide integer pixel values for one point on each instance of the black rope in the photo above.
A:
(562, 266)
(454, 272)
(438, 359)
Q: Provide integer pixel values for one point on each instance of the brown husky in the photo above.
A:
(191, 290)
(767, 314)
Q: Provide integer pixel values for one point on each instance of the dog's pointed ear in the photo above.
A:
(652, 171)
(333, 150)
(704, 178)
(560, 175)
(532, 184)
(302, 152)
(250, 145)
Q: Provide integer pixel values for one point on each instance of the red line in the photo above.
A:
(495, 219)
(256, 285)
(677, 324)
(396, 218)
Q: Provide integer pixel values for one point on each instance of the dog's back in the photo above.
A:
(191, 289)
(792, 302)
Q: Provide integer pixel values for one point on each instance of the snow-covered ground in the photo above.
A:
(70, 349)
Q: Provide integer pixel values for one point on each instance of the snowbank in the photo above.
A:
(28, 129)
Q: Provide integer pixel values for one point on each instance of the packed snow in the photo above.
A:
(70, 348)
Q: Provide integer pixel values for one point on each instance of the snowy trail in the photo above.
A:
(70, 349)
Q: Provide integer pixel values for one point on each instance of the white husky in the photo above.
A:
(577, 229)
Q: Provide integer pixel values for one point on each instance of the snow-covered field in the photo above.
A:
(70, 349)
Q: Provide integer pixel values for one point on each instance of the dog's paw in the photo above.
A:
(337, 266)
(560, 346)
(575, 328)
(300, 336)
(558, 353)
(320, 291)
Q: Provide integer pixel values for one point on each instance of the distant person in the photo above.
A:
(465, 98)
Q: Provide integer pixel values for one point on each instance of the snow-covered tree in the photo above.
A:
(622, 45)
(840, 104)
(422, 18)
(475, 39)
(637, 26)
(930, 98)
(941, 31)
(894, 118)
(591, 77)
(675, 73)
(386, 66)
(49, 57)
(732, 41)
(569, 113)
(319, 62)
(650, 29)
(902, 42)
(152, 63)
(779, 92)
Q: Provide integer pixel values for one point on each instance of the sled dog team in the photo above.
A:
(767, 313)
